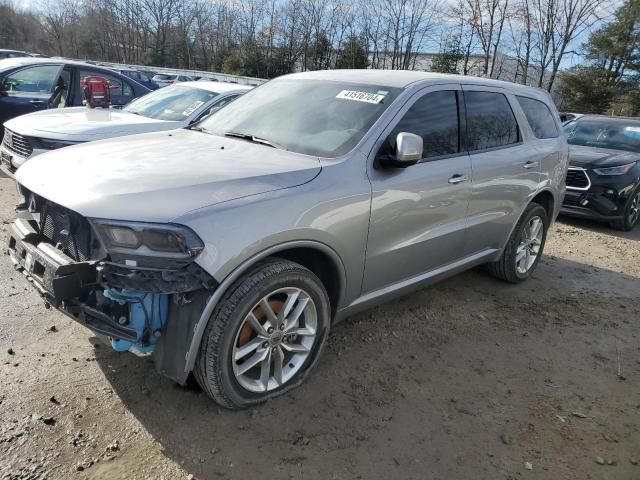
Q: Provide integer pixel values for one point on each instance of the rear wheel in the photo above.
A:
(631, 215)
(524, 248)
(264, 336)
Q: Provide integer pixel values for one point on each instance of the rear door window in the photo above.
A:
(490, 121)
(540, 118)
(434, 117)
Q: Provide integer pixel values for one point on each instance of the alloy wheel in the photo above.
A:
(634, 210)
(274, 339)
(529, 247)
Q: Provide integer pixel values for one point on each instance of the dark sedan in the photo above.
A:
(31, 84)
(603, 181)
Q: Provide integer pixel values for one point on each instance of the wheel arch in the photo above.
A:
(543, 197)
(316, 256)
(546, 199)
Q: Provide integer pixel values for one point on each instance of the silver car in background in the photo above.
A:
(176, 106)
(228, 250)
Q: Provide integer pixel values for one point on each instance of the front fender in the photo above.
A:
(216, 296)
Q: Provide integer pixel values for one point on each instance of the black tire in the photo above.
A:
(214, 369)
(505, 268)
(628, 222)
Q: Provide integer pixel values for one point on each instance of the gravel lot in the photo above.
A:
(470, 379)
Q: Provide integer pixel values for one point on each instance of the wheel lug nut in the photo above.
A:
(265, 344)
(270, 330)
(282, 326)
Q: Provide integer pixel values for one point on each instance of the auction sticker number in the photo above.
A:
(360, 96)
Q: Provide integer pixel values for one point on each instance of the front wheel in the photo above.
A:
(631, 215)
(264, 336)
(524, 248)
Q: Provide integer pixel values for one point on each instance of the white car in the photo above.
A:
(176, 106)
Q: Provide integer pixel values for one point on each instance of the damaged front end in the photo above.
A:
(129, 281)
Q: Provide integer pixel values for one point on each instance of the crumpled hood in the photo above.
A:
(84, 124)
(160, 176)
(593, 157)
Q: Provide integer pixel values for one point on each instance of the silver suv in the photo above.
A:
(230, 248)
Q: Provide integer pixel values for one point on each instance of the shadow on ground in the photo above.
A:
(468, 379)
(600, 227)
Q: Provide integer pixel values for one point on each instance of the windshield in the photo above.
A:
(175, 102)
(604, 133)
(314, 117)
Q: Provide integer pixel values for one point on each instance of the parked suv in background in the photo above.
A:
(603, 181)
(31, 84)
(229, 249)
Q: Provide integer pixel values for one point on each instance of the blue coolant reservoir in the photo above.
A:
(148, 313)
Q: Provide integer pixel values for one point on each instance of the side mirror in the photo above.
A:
(408, 151)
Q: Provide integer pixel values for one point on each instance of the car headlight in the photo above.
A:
(148, 239)
(620, 170)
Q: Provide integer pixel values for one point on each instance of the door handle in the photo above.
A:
(457, 178)
(530, 164)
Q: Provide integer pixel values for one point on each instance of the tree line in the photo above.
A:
(525, 41)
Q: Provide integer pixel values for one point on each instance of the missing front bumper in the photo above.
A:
(78, 290)
(55, 275)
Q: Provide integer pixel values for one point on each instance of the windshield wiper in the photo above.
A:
(254, 139)
(196, 128)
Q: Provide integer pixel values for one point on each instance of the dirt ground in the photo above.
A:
(470, 379)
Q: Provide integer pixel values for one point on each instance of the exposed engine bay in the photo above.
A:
(123, 281)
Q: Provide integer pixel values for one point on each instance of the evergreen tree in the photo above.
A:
(609, 83)
(446, 61)
(353, 54)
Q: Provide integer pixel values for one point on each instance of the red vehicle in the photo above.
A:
(95, 92)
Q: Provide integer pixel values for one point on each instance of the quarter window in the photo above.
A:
(539, 117)
(490, 121)
(434, 117)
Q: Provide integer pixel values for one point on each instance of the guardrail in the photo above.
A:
(221, 77)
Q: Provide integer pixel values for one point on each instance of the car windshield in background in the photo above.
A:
(604, 133)
(160, 76)
(314, 117)
(176, 103)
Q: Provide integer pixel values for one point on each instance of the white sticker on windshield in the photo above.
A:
(192, 108)
(360, 96)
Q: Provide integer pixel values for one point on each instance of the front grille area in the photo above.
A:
(17, 143)
(66, 230)
(577, 178)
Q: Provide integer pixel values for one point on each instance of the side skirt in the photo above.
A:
(399, 289)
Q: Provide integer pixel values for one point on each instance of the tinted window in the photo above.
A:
(435, 118)
(539, 117)
(39, 79)
(490, 121)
